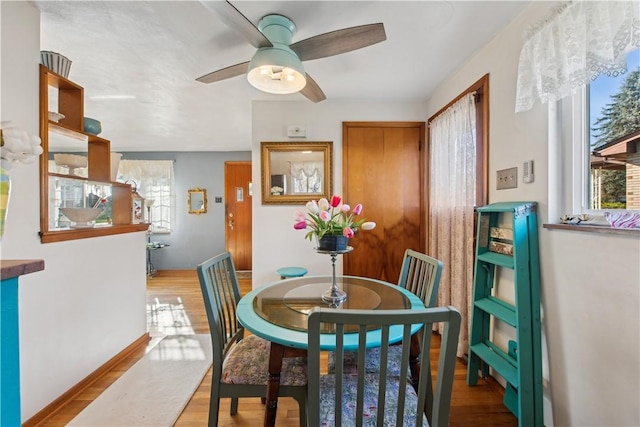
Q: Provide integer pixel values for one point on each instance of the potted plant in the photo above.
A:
(331, 222)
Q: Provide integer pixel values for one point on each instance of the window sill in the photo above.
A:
(594, 229)
(84, 233)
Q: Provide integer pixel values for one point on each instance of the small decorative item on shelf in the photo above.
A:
(137, 205)
(276, 191)
(92, 126)
(16, 146)
(623, 219)
(56, 62)
(71, 161)
(55, 117)
(332, 223)
(81, 217)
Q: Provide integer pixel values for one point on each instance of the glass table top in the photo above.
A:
(288, 303)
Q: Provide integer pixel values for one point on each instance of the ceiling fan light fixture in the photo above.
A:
(276, 70)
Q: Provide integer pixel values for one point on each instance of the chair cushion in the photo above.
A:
(327, 401)
(372, 361)
(248, 363)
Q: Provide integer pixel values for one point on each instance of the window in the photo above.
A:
(606, 134)
(613, 138)
(154, 180)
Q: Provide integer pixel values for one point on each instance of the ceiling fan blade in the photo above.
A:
(312, 91)
(339, 41)
(237, 21)
(225, 73)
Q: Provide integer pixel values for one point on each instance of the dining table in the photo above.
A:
(278, 312)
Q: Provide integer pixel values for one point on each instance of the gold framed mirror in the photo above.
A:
(197, 201)
(295, 172)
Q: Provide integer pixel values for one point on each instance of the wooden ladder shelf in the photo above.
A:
(515, 248)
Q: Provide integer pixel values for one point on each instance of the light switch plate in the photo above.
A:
(507, 178)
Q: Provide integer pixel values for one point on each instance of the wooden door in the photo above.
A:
(384, 169)
(237, 180)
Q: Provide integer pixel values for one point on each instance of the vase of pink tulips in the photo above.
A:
(332, 222)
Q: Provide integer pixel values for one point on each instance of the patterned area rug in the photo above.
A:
(156, 389)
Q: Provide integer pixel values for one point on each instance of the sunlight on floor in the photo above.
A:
(168, 319)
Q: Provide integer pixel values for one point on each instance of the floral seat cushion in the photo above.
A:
(349, 416)
(248, 363)
(372, 361)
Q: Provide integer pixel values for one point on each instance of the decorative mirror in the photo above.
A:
(197, 201)
(294, 173)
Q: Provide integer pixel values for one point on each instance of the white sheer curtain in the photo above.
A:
(452, 201)
(155, 182)
(306, 177)
(569, 49)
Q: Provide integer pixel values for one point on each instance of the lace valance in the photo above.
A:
(580, 41)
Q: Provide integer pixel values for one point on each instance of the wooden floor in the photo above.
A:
(174, 306)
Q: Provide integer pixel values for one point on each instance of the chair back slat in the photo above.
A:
(362, 342)
(420, 274)
(384, 357)
(396, 401)
(339, 388)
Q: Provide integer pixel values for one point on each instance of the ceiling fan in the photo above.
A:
(276, 67)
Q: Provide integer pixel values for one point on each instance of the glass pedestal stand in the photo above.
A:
(334, 296)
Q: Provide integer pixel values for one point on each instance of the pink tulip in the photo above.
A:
(357, 209)
(299, 216)
(345, 208)
(348, 232)
(335, 201)
(325, 216)
(300, 225)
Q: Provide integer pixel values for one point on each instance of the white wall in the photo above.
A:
(590, 281)
(275, 243)
(89, 302)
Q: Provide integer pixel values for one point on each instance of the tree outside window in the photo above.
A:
(614, 146)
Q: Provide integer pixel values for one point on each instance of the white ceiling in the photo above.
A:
(138, 60)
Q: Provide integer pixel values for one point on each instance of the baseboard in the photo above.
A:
(176, 273)
(70, 394)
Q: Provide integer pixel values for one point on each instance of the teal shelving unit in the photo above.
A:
(514, 248)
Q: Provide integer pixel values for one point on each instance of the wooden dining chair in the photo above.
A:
(240, 364)
(419, 274)
(359, 397)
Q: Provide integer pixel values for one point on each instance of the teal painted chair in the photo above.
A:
(356, 398)
(240, 364)
(419, 274)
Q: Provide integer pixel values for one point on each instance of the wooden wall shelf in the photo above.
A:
(69, 136)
